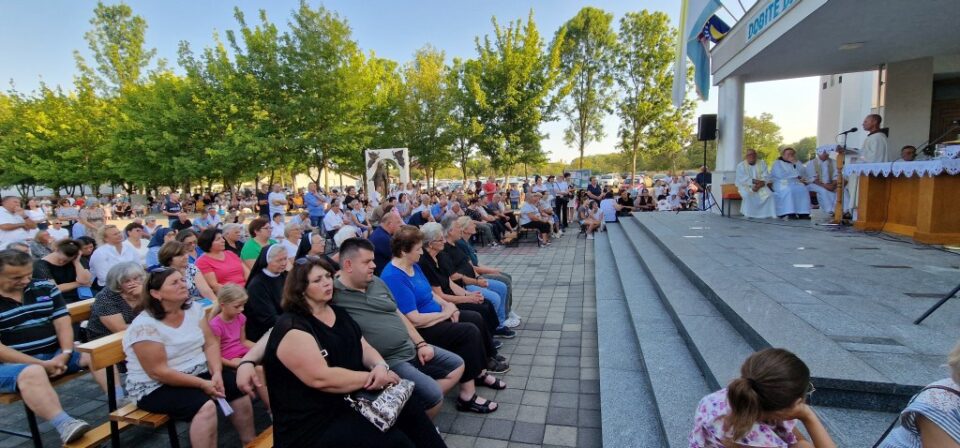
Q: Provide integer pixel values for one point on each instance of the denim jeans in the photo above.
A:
(495, 293)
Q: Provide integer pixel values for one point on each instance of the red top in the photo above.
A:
(489, 188)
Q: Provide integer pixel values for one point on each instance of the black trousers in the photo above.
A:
(465, 338)
(560, 210)
(351, 430)
(486, 311)
(540, 226)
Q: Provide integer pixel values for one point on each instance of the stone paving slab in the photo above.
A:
(553, 398)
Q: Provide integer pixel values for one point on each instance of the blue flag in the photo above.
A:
(715, 29)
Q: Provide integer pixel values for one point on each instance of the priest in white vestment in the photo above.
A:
(822, 175)
(752, 178)
(789, 186)
(873, 150)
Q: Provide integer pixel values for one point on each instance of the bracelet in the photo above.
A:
(246, 361)
(381, 363)
(421, 344)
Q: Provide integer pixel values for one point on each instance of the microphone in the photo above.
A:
(849, 131)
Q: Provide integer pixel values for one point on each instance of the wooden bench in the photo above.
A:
(521, 233)
(263, 440)
(79, 312)
(106, 353)
(728, 195)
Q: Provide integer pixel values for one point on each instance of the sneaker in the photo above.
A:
(497, 367)
(504, 333)
(511, 322)
(513, 315)
(590, 236)
(500, 358)
(74, 430)
(497, 344)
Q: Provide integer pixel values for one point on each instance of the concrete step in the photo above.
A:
(628, 408)
(677, 382)
(708, 339)
(842, 379)
(715, 344)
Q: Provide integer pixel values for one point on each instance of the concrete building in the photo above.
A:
(897, 58)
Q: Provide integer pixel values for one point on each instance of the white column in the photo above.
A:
(730, 124)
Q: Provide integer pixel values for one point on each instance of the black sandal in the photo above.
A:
(482, 381)
(471, 405)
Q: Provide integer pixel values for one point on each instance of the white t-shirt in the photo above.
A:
(106, 257)
(332, 221)
(663, 205)
(609, 209)
(141, 252)
(274, 209)
(279, 228)
(11, 236)
(183, 345)
(37, 216)
(58, 234)
(291, 247)
(374, 198)
(525, 209)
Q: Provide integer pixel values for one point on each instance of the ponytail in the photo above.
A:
(744, 409)
(770, 380)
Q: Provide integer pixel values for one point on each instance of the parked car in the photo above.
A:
(610, 180)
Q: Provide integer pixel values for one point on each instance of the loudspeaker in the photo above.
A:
(707, 127)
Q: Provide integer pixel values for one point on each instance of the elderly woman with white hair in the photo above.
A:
(467, 229)
(446, 289)
(931, 419)
(232, 236)
(457, 263)
(114, 307)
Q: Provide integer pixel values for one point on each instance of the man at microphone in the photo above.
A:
(874, 147)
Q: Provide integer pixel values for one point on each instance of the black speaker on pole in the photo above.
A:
(707, 127)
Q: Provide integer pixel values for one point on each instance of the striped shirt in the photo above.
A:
(27, 327)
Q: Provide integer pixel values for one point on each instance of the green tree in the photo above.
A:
(118, 40)
(464, 127)
(763, 135)
(587, 44)
(648, 120)
(806, 148)
(426, 110)
(512, 81)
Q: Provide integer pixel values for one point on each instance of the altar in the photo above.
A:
(916, 199)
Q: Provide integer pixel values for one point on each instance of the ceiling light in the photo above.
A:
(851, 46)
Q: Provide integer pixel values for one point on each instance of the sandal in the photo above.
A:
(471, 405)
(498, 384)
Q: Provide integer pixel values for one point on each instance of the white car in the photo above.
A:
(610, 180)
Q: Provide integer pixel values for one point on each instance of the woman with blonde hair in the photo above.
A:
(762, 407)
(932, 418)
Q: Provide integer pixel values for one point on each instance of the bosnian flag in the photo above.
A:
(694, 14)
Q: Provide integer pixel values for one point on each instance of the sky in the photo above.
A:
(38, 38)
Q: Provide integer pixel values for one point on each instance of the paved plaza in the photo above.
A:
(553, 395)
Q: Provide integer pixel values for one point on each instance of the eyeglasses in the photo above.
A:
(810, 390)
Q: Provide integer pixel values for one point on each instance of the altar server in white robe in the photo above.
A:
(822, 175)
(789, 186)
(752, 183)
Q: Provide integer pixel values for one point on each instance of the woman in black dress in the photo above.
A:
(315, 355)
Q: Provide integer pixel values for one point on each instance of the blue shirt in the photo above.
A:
(381, 249)
(411, 293)
(436, 211)
(314, 204)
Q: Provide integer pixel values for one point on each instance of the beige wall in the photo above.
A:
(909, 101)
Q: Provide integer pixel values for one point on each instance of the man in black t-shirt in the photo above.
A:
(263, 203)
(37, 342)
(172, 207)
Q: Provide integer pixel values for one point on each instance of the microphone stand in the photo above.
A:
(841, 185)
(937, 140)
